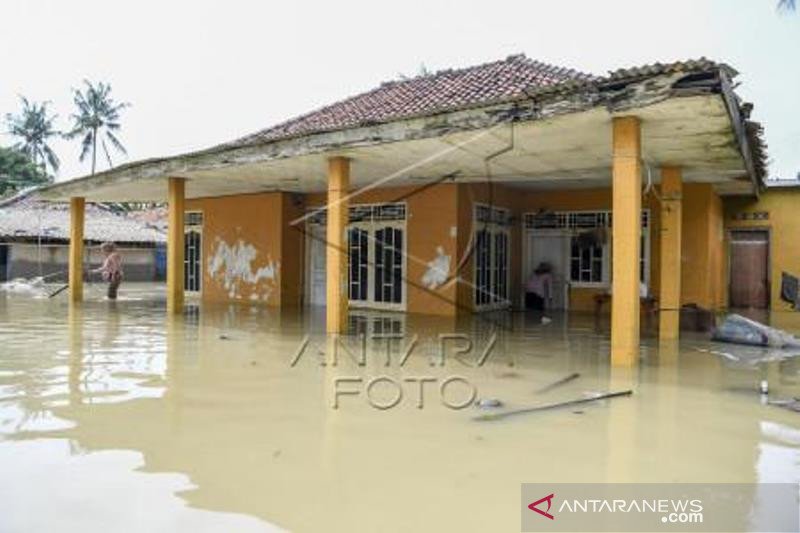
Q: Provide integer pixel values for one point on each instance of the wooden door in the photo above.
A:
(749, 283)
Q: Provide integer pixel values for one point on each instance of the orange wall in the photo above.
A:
(248, 254)
(781, 205)
(703, 247)
(431, 222)
(439, 216)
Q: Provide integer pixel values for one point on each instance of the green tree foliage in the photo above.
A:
(96, 121)
(18, 172)
(33, 128)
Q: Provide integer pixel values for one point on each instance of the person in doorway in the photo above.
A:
(111, 269)
(539, 288)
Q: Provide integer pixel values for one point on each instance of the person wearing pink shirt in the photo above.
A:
(539, 288)
(111, 268)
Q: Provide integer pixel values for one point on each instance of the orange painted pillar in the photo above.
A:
(336, 254)
(77, 213)
(626, 243)
(670, 293)
(175, 243)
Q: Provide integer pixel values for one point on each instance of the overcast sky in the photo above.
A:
(202, 72)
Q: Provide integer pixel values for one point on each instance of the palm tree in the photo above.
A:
(34, 128)
(96, 120)
(787, 5)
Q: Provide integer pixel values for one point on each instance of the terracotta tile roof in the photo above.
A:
(442, 91)
(24, 218)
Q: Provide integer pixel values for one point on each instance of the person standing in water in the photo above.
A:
(111, 268)
(539, 288)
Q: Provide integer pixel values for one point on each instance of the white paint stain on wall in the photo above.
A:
(438, 269)
(232, 265)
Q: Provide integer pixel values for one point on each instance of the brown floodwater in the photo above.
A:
(113, 417)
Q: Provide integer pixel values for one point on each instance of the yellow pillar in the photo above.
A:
(175, 237)
(336, 256)
(77, 208)
(670, 293)
(626, 234)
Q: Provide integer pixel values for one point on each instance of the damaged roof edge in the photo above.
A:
(620, 91)
(748, 137)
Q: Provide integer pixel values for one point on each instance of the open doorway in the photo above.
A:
(552, 247)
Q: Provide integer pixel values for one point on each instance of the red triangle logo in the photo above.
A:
(549, 500)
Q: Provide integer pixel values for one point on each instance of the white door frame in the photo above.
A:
(198, 228)
(371, 227)
(527, 267)
(308, 289)
(492, 228)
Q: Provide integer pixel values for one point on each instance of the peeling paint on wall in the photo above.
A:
(438, 270)
(232, 265)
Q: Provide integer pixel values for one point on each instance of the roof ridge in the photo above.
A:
(363, 104)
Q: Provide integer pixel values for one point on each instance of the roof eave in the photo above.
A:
(619, 92)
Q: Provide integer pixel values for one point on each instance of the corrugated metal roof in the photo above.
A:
(22, 217)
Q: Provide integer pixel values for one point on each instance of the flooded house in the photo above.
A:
(35, 236)
(440, 195)
(417, 208)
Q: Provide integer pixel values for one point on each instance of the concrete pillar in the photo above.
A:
(175, 240)
(626, 243)
(670, 294)
(336, 256)
(77, 209)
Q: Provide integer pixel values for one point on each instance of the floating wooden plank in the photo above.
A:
(527, 410)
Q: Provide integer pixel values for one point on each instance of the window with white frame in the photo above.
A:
(590, 250)
(491, 256)
(375, 246)
(192, 251)
(586, 262)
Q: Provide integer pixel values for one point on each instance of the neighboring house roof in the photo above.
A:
(23, 218)
(783, 183)
(428, 94)
(155, 218)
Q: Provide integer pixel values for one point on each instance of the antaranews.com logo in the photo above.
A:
(661, 507)
(673, 511)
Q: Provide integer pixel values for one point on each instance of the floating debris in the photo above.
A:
(737, 329)
(488, 403)
(547, 407)
(58, 291)
(792, 404)
(562, 381)
(21, 286)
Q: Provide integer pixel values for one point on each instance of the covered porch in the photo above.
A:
(445, 211)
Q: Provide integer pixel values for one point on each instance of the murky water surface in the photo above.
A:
(113, 418)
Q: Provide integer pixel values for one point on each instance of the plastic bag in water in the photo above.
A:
(740, 330)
